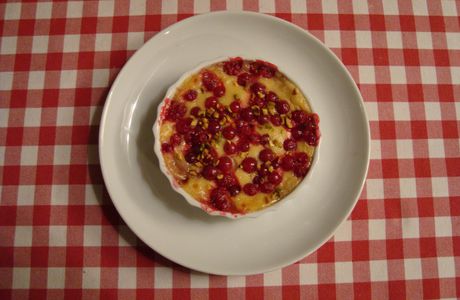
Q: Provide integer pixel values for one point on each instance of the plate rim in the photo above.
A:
(363, 172)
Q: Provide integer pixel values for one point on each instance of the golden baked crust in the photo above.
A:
(238, 135)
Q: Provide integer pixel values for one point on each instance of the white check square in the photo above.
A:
(408, 187)
(199, 281)
(374, 188)
(59, 194)
(21, 278)
(36, 80)
(398, 74)
(92, 235)
(366, 74)
(57, 236)
(412, 268)
(377, 229)
(26, 194)
(343, 272)
(163, 278)
(332, 38)
(91, 278)
(363, 39)
(394, 39)
(410, 228)
(64, 116)
(446, 267)
(68, 79)
(401, 111)
(71, 43)
(23, 236)
(32, 117)
(404, 148)
(272, 278)
(62, 154)
(436, 148)
(127, 278)
(308, 273)
(40, 44)
(433, 111)
(443, 226)
(379, 270)
(56, 278)
(8, 45)
(29, 155)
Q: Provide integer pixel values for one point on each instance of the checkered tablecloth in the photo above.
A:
(61, 237)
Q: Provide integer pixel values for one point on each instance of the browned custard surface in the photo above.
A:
(238, 135)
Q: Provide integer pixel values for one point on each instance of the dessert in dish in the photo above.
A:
(237, 136)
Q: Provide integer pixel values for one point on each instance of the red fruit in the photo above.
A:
(287, 163)
(257, 180)
(175, 139)
(264, 138)
(250, 189)
(275, 178)
(211, 102)
(263, 171)
(282, 107)
(289, 144)
(183, 125)
(243, 79)
(257, 87)
(300, 158)
(240, 123)
(262, 68)
(219, 91)
(195, 111)
(271, 96)
(245, 130)
(243, 145)
(247, 114)
(234, 189)
(297, 133)
(175, 111)
(165, 147)
(225, 164)
(229, 132)
(254, 139)
(299, 116)
(266, 155)
(312, 139)
(191, 157)
(233, 66)
(227, 181)
(230, 148)
(220, 199)
(200, 137)
(257, 100)
(209, 172)
(301, 171)
(249, 164)
(214, 126)
(263, 119)
(276, 120)
(267, 187)
(235, 106)
(190, 95)
(275, 163)
(210, 80)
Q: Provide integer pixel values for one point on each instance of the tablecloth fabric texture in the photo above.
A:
(60, 235)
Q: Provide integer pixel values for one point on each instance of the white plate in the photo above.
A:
(187, 235)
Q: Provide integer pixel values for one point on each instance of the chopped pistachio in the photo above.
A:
(289, 123)
(271, 169)
(215, 115)
(194, 122)
(220, 176)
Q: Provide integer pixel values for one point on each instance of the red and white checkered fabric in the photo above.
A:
(60, 236)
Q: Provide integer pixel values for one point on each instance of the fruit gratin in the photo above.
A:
(237, 136)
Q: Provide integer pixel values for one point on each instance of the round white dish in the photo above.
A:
(191, 237)
(157, 148)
